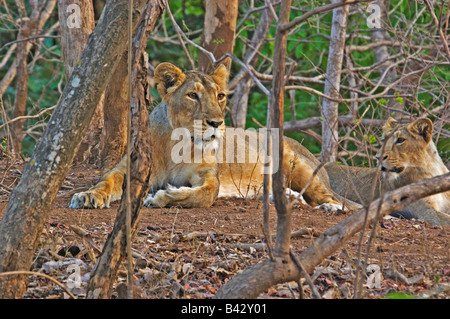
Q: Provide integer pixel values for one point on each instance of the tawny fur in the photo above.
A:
(194, 96)
(409, 156)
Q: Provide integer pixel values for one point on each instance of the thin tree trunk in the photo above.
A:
(251, 282)
(218, 32)
(329, 108)
(75, 28)
(114, 136)
(264, 274)
(277, 111)
(20, 102)
(36, 21)
(30, 201)
(76, 19)
(104, 275)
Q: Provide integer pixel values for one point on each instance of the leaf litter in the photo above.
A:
(191, 253)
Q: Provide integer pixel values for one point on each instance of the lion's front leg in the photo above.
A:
(202, 195)
(107, 190)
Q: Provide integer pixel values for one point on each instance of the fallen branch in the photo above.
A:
(251, 282)
(19, 272)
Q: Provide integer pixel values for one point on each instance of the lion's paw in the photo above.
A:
(148, 201)
(291, 195)
(156, 200)
(331, 207)
(90, 199)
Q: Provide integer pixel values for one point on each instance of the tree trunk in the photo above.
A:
(75, 27)
(76, 19)
(277, 119)
(218, 32)
(104, 275)
(251, 282)
(332, 83)
(114, 136)
(20, 102)
(30, 201)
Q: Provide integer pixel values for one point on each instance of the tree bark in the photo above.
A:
(76, 25)
(32, 198)
(277, 111)
(104, 275)
(251, 282)
(329, 108)
(114, 135)
(218, 32)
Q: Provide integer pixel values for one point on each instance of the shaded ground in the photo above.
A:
(190, 253)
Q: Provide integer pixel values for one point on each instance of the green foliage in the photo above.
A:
(399, 295)
(307, 46)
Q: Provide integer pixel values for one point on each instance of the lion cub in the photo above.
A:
(409, 156)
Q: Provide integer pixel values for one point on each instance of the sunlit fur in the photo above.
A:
(193, 100)
(409, 156)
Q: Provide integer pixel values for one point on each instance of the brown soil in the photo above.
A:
(190, 253)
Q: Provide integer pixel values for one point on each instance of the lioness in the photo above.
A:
(193, 101)
(409, 156)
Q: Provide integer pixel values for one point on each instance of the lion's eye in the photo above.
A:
(220, 96)
(193, 95)
(400, 140)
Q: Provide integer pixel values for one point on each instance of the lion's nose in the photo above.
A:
(378, 157)
(215, 124)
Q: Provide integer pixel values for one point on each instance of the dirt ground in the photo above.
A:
(191, 253)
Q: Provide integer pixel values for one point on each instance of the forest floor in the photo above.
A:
(191, 253)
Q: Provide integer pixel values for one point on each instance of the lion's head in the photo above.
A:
(406, 145)
(196, 101)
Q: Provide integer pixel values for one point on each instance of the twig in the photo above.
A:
(306, 275)
(179, 34)
(30, 38)
(20, 272)
(28, 116)
(441, 33)
(214, 60)
(6, 188)
(268, 240)
(318, 10)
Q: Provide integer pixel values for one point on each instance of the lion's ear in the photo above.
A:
(390, 124)
(220, 76)
(168, 75)
(423, 128)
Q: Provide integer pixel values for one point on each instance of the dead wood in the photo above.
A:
(251, 282)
